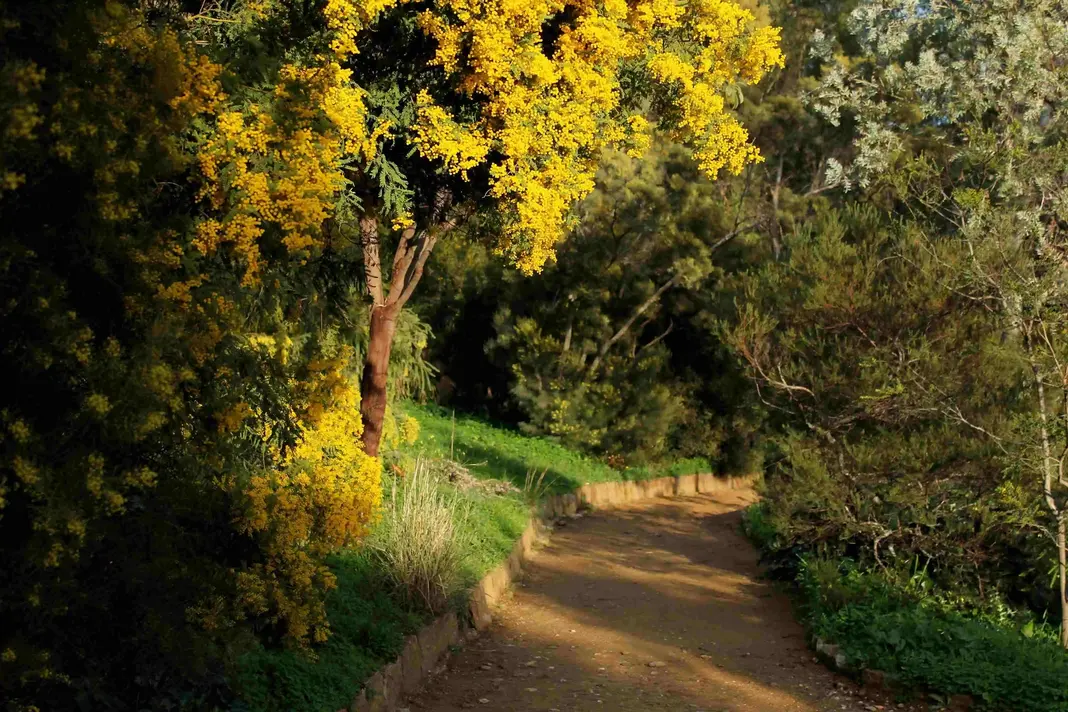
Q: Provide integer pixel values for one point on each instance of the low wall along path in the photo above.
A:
(650, 602)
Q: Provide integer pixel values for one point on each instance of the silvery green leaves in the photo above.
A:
(930, 69)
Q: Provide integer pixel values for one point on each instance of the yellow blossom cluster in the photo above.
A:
(547, 113)
(19, 115)
(257, 175)
(274, 173)
(323, 496)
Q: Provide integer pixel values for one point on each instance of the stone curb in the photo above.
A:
(424, 651)
(832, 656)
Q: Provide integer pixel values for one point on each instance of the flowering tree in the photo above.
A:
(510, 105)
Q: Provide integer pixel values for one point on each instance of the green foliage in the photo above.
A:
(369, 627)
(500, 453)
(609, 350)
(883, 624)
(903, 333)
(886, 384)
(760, 528)
(585, 342)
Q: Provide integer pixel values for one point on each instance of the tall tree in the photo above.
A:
(964, 117)
(959, 120)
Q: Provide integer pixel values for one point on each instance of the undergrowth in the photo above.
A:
(928, 640)
(389, 587)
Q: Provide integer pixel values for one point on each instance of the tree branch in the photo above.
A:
(621, 332)
(657, 340)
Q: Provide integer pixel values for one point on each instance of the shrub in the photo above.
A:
(879, 623)
(178, 434)
(758, 526)
(419, 542)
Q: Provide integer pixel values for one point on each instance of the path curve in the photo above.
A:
(653, 606)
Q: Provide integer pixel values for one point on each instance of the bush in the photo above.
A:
(419, 542)
(758, 526)
(879, 623)
(178, 433)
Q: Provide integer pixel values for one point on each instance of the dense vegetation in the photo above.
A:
(201, 208)
(873, 317)
(819, 240)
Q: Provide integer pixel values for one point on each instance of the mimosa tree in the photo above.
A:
(472, 104)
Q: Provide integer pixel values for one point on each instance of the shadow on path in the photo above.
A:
(655, 606)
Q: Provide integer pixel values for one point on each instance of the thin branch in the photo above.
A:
(621, 332)
(657, 340)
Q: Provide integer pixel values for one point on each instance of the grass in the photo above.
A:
(493, 452)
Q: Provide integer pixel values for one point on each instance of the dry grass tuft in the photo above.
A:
(419, 541)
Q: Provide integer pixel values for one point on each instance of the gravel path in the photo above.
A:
(656, 606)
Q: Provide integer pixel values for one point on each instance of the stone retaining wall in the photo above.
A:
(424, 650)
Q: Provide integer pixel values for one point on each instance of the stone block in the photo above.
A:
(393, 678)
(435, 639)
(708, 483)
(826, 651)
(686, 485)
(481, 616)
(661, 487)
(370, 698)
(411, 665)
(359, 703)
(526, 541)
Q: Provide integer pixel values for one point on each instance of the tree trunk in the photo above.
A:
(376, 375)
(409, 259)
(1047, 483)
(1061, 569)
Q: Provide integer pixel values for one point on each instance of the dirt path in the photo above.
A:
(651, 607)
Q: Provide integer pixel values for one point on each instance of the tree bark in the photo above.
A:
(1061, 557)
(373, 385)
(1047, 484)
(413, 250)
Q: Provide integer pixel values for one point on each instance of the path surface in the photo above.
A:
(656, 606)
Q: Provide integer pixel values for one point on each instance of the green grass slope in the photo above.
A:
(493, 452)
(369, 625)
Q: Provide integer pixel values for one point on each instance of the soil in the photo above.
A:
(656, 606)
